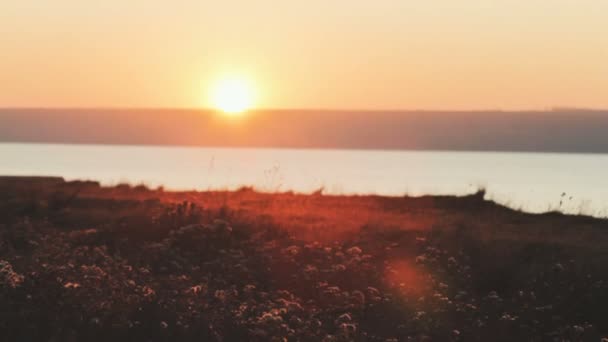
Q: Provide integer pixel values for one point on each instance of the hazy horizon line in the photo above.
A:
(253, 110)
(559, 130)
(262, 147)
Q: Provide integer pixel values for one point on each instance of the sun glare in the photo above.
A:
(232, 95)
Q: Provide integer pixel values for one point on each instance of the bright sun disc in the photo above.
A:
(232, 95)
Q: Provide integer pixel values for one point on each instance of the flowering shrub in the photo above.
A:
(217, 276)
(8, 277)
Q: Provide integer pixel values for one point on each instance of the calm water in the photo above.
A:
(533, 182)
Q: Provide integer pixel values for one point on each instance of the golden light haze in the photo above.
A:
(384, 54)
(232, 94)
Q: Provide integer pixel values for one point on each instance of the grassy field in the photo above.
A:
(84, 262)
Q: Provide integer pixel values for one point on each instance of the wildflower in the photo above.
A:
(92, 271)
(372, 291)
(332, 290)
(249, 289)
(71, 285)
(471, 307)
(9, 277)
(294, 307)
(358, 298)
(348, 329)
(366, 257)
(292, 250)
(419, 314)
(354, 251)
(338, 268)
(295, 321)
(460, 295)
(344, 318)
(329, 338)
(421, 259)
(220, 295)
(270, 317)
(452, 261)
(493, 295)
(310, 269)
(579, 329)
(196, 289)
(508, 317)
(147, 291)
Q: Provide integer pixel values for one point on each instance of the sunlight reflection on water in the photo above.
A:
(533, 182)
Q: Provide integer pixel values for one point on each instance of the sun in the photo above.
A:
(232, 95)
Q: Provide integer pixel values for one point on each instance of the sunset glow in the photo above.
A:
(321, 170)
(385, 54)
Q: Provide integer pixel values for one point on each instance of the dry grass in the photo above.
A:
(133, 263)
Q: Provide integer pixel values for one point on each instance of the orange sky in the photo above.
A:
(383, 54)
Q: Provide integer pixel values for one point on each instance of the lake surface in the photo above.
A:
(533, 182)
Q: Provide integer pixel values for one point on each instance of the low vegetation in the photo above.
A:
(80, 262)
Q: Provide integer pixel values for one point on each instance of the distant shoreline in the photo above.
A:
(371, 149)
(558, 131)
